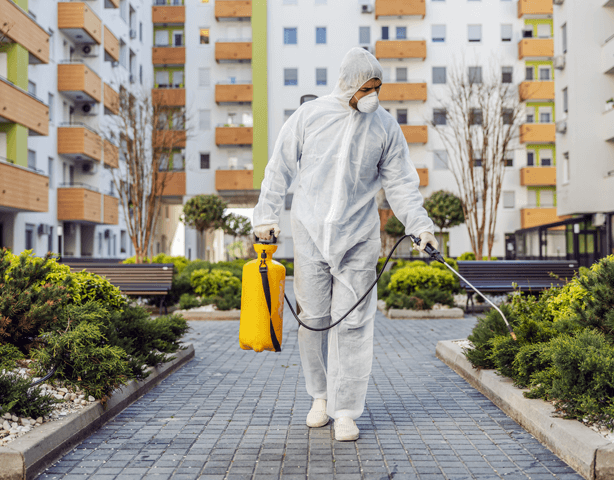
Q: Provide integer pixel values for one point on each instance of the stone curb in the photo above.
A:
(27, 456)
(402, 314)
(591, 455)
(216, 315)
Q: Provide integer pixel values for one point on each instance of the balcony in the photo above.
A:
(415, 133)
(535, 48)
(79, 22)
(400, 92)
(535, 8)
(111, 3)
(607, 55)
(536, 91)
(228, 52)
(234, 136)
(111, 210)
(241, 93)
(538, 176)
(234, 180)
(19, 106)
(233, 9)
(535, 216)
(111, 155)
(79, 203)
(400, 49)
(537, 133)
(399, 8)
(25, 31)
(168, 55)
(79, 143)
(111, 46)
(79, 82)
(169, 139)
(169, 15)
(170, 97)
(111, 100)
(174, 183)
(23, 190)
(423, 173)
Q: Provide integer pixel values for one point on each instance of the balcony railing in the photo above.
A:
(233, 9)
(400, 48)
(23, 189)
(168, 14)
(79, 22)
(19, 106)
(25, 31)
(79, 82)
(401, 91)
(399, 8)
(79, 185)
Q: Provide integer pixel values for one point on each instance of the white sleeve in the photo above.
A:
(400, 182)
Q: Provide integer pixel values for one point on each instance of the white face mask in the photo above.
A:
(368, 103)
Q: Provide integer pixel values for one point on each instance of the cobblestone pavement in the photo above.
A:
(233, 414)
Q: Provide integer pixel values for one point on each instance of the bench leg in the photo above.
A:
(161, 300)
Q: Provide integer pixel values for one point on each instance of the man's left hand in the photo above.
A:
(425, 238)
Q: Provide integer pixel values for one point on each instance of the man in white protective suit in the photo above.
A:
(345, 147)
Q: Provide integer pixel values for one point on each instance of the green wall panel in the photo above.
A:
(260, 148)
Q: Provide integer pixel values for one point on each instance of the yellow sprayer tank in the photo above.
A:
(262, 302)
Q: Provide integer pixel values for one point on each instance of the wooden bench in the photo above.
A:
(132, 279)
(498, 276)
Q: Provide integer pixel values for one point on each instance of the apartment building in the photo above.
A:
(62, 65)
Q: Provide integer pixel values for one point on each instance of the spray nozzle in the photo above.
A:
(434, 254)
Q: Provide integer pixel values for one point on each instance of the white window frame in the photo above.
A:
(469, 28)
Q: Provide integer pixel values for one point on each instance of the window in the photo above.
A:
(204, 119)
(178, 79)
(545, 158)
(439, 74)
(507, 114)
(163, 79)
(527, 31)
(204, 77)
(506, 74)
(50, 171)
(384, 33)
(565, 100)
(141, 32)
(564, 37)
(288, 114)
(364, 35)
(99, 243)
(178, 38)
(475, 117)
(475, 33)
(123, 240)
(290, 36)
(475, 74)
(321, 35)
(289, 198)
(290, 76)
(29, 236)
(50, 102)
(439, 116)
(530, 158)
(530, 117)
(321, 76)
(544, 74)
(161, 38)
(31, 159)
(50, 240)
(401, 33)
(204, 36)
(31, 88)
(545, 116)
(402, 116)
(509, 199)
(544, 30)
(401, 74)
(438, 33)
(566, 167)
(141, 74)
(506, 33)
(528, 74)
(51, 44)
(204, 161)
(546, 198)
(532, 197)
(440, 160)
(508, 162)
(477, 160)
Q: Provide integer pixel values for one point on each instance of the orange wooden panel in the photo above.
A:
(174, 183)
(79, 141)
(234, 135)
(112, 3)
(170, 138)
(79, 204)
(536, 91)
(111, 44)
(111, 99)
(402, 91)
(534, 7)
(17, 26)
(395, 8)
(537, 133)
(235, 93)
(168, 14)
(18, 107)
(400, 49)
(22, 189)
(537, 176)
(111, 155)
(168, 55)
(415, 133)
(172, 97)
(233, 51)
(423, 173)
(234, 179)
(78, 15)
(111, 210)
(535, 47)
(79, 78)
(233, 9)
(533, 217)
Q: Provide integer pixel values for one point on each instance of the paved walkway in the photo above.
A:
(232, 414)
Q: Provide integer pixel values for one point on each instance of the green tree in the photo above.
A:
(446, 211)
(237, 225)
(204, 212)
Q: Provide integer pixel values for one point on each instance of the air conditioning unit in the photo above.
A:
(89, 168)
(558, 2)
(559, 62)
(133, 33)
(368, 48)
(89, 108)
(561, 126)
(89, 50)
(366, 7)
(44, 229)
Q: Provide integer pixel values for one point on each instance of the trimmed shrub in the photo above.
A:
(466, 256)
(419, 300)
(408, 280)
(289, 267)
(18, 398)
(187, 301)
(9, 354)
(487, 328)
(210, 283)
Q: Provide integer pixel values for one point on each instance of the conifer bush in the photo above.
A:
(17, 398)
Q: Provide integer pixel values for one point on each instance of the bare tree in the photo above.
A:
(482, 119)
(149, 133)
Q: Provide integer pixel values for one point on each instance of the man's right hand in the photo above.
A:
(263, 232)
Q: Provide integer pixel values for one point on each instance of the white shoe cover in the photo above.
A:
(346, 429)
(317, 416)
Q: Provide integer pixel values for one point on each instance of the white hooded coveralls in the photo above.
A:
(343, 157)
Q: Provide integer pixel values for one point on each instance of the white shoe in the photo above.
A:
(346, 429)
(317, 416)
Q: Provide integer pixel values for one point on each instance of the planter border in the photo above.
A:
(586, 451)
(405, 314)
(28, 456)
